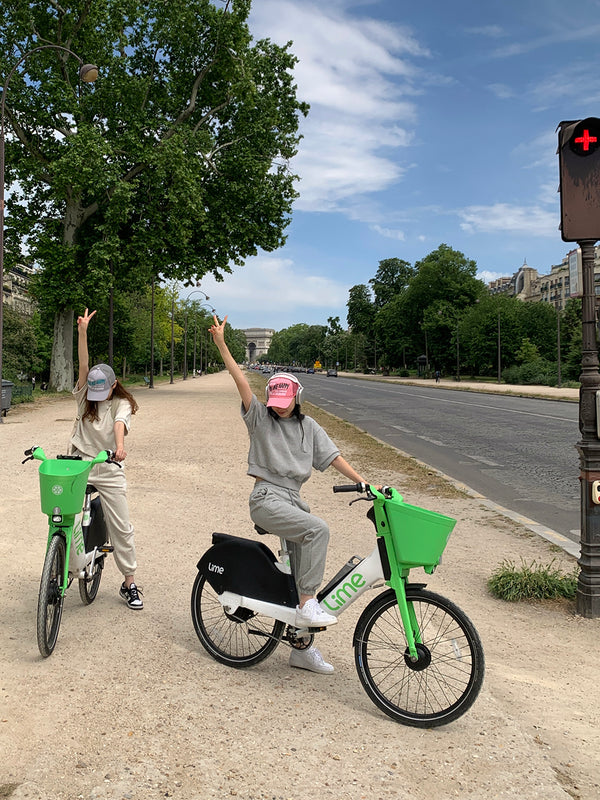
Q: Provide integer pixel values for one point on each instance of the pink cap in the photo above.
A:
(282, 391)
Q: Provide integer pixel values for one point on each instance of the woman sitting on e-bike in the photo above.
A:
(285, 445)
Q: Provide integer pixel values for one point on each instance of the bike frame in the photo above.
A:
(70, 526)
(381, 567)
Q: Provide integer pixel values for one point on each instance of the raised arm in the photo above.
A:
(217, 330)
(82, 347)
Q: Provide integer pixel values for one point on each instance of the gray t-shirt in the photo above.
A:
(284, 451)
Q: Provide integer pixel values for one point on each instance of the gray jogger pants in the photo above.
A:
(283, 513)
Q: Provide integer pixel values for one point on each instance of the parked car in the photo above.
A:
(310, 371)
(332, 373)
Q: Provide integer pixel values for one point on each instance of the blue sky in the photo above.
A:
(430, 122)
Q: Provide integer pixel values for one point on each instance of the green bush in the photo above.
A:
(533, 373)
(531, 582)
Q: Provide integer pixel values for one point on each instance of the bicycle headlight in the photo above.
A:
(57, 516)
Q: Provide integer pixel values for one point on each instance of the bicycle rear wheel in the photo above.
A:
(50, 601)
(88, 587)
(445, 680)
(240, 639)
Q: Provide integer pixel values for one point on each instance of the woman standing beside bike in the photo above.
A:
(104, 409)
(285, 445)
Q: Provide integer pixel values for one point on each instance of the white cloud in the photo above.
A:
(502, 91)
(360, 78)
(491, 31)
(563, 35)
(502, 217)
(487, 277)
(389, 233)
(273, 288)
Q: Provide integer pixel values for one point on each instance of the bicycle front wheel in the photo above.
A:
(50, 600)
(240, 639)
(88, 587)
(447, 676)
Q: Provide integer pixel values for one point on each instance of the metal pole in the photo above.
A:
(457, 354)
(588, 586)
(152, 341)
(195, 326)
(499, 352)
(185, 348)
(172, 334)
(558, 346)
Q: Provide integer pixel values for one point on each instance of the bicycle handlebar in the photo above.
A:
(353, 487)
(36, 452)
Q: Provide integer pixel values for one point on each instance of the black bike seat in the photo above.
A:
(260, 530)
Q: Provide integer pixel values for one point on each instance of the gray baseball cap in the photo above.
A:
(99, 381)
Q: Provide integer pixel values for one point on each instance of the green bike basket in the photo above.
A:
(419, 536)
(62, 485)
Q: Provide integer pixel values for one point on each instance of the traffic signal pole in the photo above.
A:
(588, 584)
(579, 165)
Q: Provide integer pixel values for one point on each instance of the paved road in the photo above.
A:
(518, 452)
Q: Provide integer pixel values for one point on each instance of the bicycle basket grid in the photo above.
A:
(62, 484)
(419, 535)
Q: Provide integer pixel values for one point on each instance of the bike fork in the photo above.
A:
(409, 622)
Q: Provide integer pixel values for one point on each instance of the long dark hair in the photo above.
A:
(91, 406)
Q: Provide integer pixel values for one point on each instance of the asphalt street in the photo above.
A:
(517, 451)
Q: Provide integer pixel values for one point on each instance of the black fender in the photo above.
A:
(242, 566)
(95, 534)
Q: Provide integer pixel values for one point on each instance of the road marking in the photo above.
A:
(432, 441)
(485, 461)
(483, 405)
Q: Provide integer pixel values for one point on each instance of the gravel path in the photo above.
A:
(130, 706)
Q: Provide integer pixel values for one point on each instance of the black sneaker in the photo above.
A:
(131, 596)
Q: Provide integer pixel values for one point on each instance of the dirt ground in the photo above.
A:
(130, 707)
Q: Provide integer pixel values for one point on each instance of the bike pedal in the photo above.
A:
(306, 631)
(108, 548)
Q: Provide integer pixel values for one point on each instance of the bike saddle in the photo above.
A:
(260, 530)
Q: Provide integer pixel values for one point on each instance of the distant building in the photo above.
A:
(15, 291)
(563, 281)
(258, 341)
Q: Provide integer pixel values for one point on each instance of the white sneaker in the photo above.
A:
(310, 659)
(311, 615)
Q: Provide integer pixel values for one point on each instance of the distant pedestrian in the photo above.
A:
(33, 383)
(438, 375)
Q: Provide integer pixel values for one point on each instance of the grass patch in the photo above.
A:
(532, 582)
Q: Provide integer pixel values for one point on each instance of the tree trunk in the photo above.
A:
(61, 364)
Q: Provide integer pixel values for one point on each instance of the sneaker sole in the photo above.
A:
(319, 625)
(133, 608)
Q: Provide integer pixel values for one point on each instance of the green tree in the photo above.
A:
(176, 162)
(19, 345)
(392, 278)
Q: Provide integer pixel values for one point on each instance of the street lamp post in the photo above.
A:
(88, 74)
(499, 352)
(195, 328)
(559, 376)
(588, 586)
(172, 335)
(151, 385)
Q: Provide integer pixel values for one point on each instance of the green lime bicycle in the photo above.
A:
(418, 656)
(77, 539)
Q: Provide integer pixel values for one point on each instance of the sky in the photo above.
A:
(430, 122)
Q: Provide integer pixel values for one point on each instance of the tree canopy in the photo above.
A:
(174, 163)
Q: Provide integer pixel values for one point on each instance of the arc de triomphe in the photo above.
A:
(258, 341)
